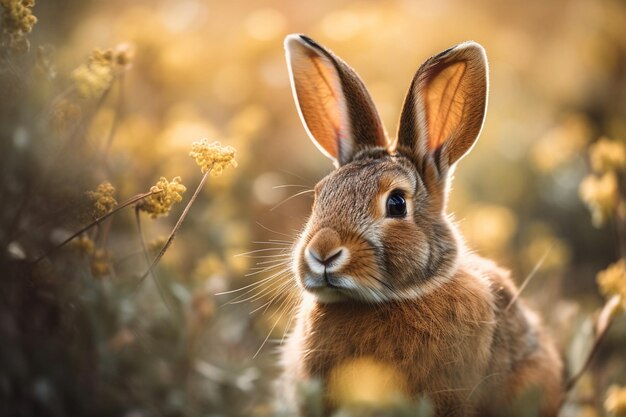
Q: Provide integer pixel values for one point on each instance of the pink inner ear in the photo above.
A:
(445, 97)
(317, 93)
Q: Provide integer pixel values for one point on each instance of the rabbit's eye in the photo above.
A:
(396, 204)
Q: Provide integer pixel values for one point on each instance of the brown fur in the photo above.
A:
(402, 290)
(459, 345)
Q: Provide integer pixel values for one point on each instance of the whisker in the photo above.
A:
(247, 286)
(276, 293)
(266, 269)
(291, 307)
(291, 185)
(273, 231)
(296, 175)
(278, 276)
(271, 330)
(274, 261)
(290, 198)
(529, 277)
(259, 250)
(278, 255)
(273, 242)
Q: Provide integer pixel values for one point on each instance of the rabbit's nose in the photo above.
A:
(324, 252)
(328, 259)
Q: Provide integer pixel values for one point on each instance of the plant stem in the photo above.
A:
(97, 222)
(170, 238)
(610, 307)
(147, 257)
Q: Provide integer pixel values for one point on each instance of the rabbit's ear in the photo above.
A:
(334, 105)
(445, 107)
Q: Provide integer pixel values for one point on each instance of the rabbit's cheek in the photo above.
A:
(408, 253)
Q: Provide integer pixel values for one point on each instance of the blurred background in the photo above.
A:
(83, 335)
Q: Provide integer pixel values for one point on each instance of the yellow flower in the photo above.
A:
(154, 246)
(17, 20)
(365, 381)
(560, 144)
(95, 77)
(101, 263)
(166, 194)
(615, 403)
(64, 115)
(612, 281)
(103, 199)
(83, 244)
(213, 156)
(607, 155)
(600, 194)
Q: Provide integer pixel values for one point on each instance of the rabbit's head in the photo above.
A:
(378, 229)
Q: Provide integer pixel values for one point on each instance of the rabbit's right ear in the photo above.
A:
(445, 107)
(334, 105)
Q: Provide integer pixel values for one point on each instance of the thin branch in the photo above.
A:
(119, 112)
(96, 222)
(160, 289)
(170, 238)
(603, 324)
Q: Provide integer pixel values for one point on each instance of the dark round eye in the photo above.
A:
(396, 204)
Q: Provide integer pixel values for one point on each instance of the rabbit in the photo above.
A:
(385, 275)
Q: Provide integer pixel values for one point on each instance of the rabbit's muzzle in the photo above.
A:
(324, 253)
(325, 256)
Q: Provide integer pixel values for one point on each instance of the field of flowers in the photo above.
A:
(154, 173)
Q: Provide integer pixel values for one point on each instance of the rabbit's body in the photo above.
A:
(460, 346)
(385, 273)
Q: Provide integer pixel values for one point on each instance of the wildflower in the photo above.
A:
(561, 144)
(166, 194)
(615, 403)
(64, 115)
(101, 263)
(17, 20)
(123, 55)
(213, 156)
(607, 155)
(208, 267)
(365, 381)
(612, 281)
(202, 304)
(95, 77)
(600, 194)
(155, 245)
(103, 199)
(83, 244)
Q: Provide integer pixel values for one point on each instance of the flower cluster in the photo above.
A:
(612, 281)
(17, 20)
(600, 194)
(101, 263)
(615, 403)
(213, 156)
(607, 155)
(83, 244)
(64, 114)
(103, 199)
(600, 191)
(93, 78)
(166, 193)
(155, 245)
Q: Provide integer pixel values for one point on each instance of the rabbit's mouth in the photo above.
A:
(331, 287)
(327, 286)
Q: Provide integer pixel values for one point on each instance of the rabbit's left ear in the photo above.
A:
(445, 107)
(334, 105)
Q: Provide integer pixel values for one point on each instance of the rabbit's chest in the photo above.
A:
(440, 346)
